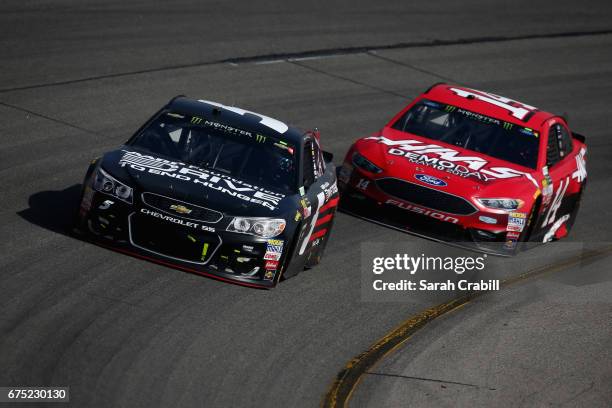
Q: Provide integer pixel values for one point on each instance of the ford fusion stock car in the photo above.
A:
(469, 167)
(214, 190)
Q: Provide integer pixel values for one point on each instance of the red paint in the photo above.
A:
(318, 234)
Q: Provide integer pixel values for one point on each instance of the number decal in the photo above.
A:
(272, 123)
(320, 201)
(517, 109)
(552, 212)
(580, 174)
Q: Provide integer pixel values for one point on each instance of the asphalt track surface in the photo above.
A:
(77, 78)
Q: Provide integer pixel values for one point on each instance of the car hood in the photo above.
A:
(149, 173)
(442, 166)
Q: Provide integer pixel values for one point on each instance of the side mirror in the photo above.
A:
(327, 157)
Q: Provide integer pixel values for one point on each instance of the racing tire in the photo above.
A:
(315, 258)
(574, 213)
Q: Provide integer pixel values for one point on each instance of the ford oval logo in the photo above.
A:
(431, 180)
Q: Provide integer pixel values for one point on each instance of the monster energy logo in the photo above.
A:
(450, 108)
(260, 138)
(508, 126)
(195, 120)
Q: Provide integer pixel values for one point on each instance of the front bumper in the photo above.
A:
(200, 247)
(468, 231)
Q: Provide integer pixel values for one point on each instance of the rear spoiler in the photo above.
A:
(579, 137)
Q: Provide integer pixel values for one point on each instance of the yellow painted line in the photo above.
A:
(341, 390)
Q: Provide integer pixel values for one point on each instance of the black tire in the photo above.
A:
(532, 221)
(574, 212)
(284, 274)
(315, 258)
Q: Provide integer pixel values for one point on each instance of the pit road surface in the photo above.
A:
(78, 78)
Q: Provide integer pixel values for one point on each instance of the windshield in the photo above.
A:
(258, 159)
(472, 131)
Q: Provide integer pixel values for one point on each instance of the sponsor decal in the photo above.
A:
(512, 238)
(431, 180)
(271, 265)
(547, 186)
(274, 249)
(422, 211)
(529, 132)
(273, 256)
(181, 209)
(271, 123)
(178, 221)
(269, 275)
(513, 234)
(257, 137)
(306, 208)
(204, 178)
(330, 191)
(283, 145)
(298, 216)
(446, 159)
(516, 221)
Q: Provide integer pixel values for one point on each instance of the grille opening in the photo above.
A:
(196, 212)
(160, 237)
(425, 196)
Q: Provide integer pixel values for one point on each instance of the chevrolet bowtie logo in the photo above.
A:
(181, 209)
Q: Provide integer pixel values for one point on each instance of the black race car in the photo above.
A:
(215, 190)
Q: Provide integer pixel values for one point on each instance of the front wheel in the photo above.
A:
(574, 213)
(316, 252)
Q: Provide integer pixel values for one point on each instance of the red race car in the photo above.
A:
(468, 167)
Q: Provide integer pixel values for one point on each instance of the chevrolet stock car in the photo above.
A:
(215, 190)
(470, 168)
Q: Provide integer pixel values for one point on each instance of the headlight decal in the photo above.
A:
(260, 227)
(365, 164)
(508, 204)
(105, 183)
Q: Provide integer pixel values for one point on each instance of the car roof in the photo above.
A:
(237, 117)
(450, 94)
